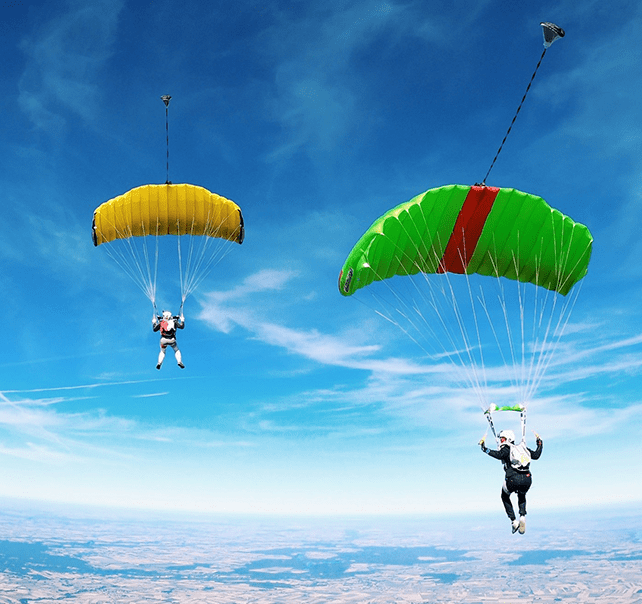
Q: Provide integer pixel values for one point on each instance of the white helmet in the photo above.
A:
(167, 315)
(509, 435)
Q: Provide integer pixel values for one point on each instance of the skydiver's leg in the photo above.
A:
(161, 357)
(177, 354)
(525, 484)
(521, 503)
(508, 505)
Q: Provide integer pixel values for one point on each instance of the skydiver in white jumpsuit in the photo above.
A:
(168, 324)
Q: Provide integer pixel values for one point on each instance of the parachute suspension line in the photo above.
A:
(438, 295)
(185, 267)
(521, 306)
(126, 255)
(386, 310)
(532, 371)
(551, 33)
(517, 370)
(484, 382)
(180, 261)
(190, 265)
(151, 275)
(400, 308)
(522, 421)
(449, 297)
(520, 292)
(198, 251)
(389, 318)
(530, 381)
(489, 416)
(553, 332)
(501, 300)
(543, 351)
(470, 367)
(202, 253)
(539, 332)
(206, 258)
(541, 348)
(404, 309)
(166, 98)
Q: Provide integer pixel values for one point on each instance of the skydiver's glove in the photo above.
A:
(482, 444)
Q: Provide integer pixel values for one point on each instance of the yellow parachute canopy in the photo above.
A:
(132, 228)
(167, 209)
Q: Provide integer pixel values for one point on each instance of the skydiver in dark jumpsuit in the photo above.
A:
(518, 477)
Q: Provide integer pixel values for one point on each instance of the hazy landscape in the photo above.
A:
(100, 556)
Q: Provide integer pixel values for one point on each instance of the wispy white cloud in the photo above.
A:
(64, 58)
(596, 352)
(262, 281)
(248, 313)
(36, 429)
(316, 95)
(100, 384)
(610, 64)
(433, 393)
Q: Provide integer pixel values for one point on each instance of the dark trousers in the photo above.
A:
(516, 483)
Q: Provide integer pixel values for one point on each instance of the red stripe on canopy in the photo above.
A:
(467, 229)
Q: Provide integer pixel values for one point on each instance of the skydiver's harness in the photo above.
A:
(168, 328)
(520, 457)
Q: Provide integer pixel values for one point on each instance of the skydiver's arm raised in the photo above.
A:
(538, 451)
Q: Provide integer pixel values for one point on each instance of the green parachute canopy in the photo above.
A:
(472, 229)
(480, 278)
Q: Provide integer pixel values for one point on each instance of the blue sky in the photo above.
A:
(315, 120)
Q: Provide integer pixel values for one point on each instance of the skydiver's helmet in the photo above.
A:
(506, 437)
(167, 315)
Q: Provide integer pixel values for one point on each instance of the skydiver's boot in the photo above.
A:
(179, 359)
(515, 525)
(161, 358)
(522, 513)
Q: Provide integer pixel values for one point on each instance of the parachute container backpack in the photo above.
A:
(519, 456)
(466, 270)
